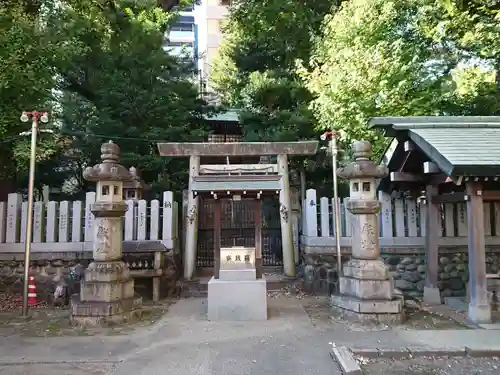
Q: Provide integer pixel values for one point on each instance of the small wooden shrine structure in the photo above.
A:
(447, 160)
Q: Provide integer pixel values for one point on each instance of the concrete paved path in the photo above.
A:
(183, 342)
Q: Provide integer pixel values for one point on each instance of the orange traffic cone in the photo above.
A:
(32, 297)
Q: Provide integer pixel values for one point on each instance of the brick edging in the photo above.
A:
(345, 357)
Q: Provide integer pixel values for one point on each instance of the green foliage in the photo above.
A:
(112, 79)
(395, 58)
(26, 80)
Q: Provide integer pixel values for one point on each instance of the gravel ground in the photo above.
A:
(434, 366)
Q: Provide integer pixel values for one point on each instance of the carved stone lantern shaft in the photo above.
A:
(362, 174)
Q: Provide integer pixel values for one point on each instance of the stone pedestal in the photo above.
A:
(366, 287)
(107, 289)
(367, 293)
(237, 295)
(106, 295)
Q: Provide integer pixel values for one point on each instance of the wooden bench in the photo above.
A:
(146, 260)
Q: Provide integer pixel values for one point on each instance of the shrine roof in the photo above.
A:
(232, 115)
(218, 183)
(238, 148)
(458, 145)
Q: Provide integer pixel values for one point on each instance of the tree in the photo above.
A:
(119, 84)
(26, 81)
(255, 71)
(379, 58)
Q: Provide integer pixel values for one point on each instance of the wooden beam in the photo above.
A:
(238, 168)
(432, 225)
(449, 198)
(479, 306)
(409, 146)
(491, 195)
(406, 177)
(430, 167)
(217, 234)
(258, 238)
(439, 179)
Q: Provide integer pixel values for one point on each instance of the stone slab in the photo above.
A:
(483, 352)
(401, 353)
(102, 309)
(495, 326)
(416, 351)
(238, 274)
(368, 318)
(364, 352)
(366, 269)
(394, 306)
(366, 289)
(106, 291)
(345, 360)
(107, 271)
(432, 296)
(237, 300)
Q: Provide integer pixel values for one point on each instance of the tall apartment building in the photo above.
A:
(182, 36)
(210, 16)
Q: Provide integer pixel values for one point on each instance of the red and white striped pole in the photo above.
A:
(32, 296)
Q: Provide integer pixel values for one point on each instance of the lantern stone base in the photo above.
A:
(237, 300)
(107, 295)
(368, 311)
(367, 293)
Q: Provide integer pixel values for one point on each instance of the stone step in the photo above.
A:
(199, 287)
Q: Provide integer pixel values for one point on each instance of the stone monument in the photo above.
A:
(237, 294)
(366, 287)
(107, 289)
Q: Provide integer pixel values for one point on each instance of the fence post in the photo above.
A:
(89, 216)
(3, 217)
(168, 210)
(311, 218)
(154, 229)
(14, 202)
(63, 226)
(386, 214)
(324, 210)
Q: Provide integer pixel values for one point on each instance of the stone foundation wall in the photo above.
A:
(49, 273)
(407, 267)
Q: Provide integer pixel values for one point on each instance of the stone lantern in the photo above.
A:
(366, 287)
(135, 188)
(107, 290)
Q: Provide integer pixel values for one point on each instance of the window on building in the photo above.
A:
(226, 3)
(182, 27)
(223, 138)
(178, 44)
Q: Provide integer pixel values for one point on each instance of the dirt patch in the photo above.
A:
(321, 316)
(49, 322)
(433, 366)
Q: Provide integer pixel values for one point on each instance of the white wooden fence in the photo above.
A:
(402, 222)
(68, 226)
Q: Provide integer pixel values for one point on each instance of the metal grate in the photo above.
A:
(238, 229)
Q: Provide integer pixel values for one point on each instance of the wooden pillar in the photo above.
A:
(479, 306)
(217, 229)
(258, 238)
(191, 224)
(285, 217)
(432, 227)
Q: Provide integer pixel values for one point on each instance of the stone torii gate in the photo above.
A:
(195, 151)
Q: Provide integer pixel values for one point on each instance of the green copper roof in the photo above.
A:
(466, 145)
(232, 115)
